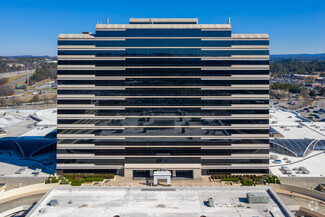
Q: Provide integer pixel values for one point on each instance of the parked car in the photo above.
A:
(315, 115)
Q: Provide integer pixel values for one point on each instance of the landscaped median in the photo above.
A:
(246, 180)
(78, 179)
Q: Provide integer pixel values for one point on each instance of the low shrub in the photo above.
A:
(64, 181)
(77, 179)
(232, 179)
(247, 182)
(51, 179)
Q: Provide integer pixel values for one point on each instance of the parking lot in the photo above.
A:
(316, 112)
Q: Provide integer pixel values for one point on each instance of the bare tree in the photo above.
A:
(17, 101)
(309, 79)
(306, 99)
(46, 99)
(35, 99)
(6, 91)
(53, 98)
(2, 101)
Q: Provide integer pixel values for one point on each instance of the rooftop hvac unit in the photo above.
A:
(211, 202)
(258, 197)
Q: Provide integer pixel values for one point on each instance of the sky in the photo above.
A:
(31, 27)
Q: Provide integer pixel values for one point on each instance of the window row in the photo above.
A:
(163, 62)
(159, 160)
(162, 102)
(163, 82)
(163, 151)
(162, 131)
(162, 92)
(163, 72)
(216, 142)
(181, 121)
(128, 52)
(163, 43)
(163, 112)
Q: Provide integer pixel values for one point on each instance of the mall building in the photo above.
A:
(163, 94)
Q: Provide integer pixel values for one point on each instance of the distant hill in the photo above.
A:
(275, 57)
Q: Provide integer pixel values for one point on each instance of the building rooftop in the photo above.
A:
(119, 201)
(292, 126)
(311, 162)
(103, 27)
(164, 20)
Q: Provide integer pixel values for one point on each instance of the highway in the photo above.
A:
(21, 79)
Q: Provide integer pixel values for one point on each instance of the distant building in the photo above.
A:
(163, 93)
(15, 65)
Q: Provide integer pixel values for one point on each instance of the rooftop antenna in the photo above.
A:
(228, 22)
(107, 20)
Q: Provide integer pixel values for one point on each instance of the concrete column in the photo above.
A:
(168, 180)
(151, 173)
(155, 181)
(196, 173)
(173, 173)
(128, 173)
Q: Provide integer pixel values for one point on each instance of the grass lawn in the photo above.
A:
(14, 78)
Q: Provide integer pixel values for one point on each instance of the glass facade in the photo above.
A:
(174, 94)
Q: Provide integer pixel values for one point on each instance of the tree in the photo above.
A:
(6, 91)
(17, 101)
(305, 95)
(309, 79)
(323, 91)
(3, 80)
(47, 99)
(312, 93)
(2, 101)
(35, 99)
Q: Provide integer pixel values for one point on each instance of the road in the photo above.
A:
(20, 79)
(9, 74)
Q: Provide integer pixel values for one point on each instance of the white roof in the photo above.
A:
(291, 127)
(312, 163)
(163, 20)
(159, 202)
(163, 26)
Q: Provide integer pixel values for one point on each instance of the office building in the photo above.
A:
(163, 93)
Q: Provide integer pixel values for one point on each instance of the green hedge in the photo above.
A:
(64, 181)
(234, 179)
(49, 181)
(247, 180)
(78, 179)
(89, 175)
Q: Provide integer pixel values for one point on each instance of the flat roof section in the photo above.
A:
(159, 202)
(164, 20)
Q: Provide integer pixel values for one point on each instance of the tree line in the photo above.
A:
(45, 71)
(292, 66)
